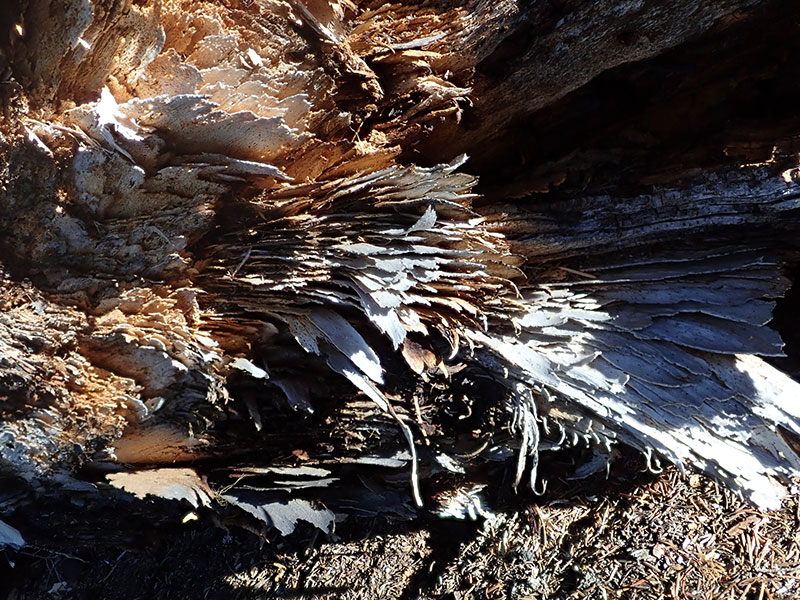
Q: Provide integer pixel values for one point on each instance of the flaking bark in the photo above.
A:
(216, 247)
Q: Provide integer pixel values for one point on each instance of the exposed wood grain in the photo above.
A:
(213, 253)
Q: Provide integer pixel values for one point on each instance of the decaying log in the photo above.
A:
(226, 279)
(529, 57)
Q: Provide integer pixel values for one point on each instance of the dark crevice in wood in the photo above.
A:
(787, 323)
(654, 120)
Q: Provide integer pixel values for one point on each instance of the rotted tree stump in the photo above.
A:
(281, 262)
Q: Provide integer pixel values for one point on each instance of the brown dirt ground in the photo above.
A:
(632, 537)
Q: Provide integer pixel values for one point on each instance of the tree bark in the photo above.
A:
(218, 245)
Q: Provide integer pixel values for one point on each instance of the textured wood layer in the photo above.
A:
(226, 281)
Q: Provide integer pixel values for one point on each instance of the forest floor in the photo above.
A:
(633, 536)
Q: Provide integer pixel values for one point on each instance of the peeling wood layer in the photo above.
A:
(216, 266)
